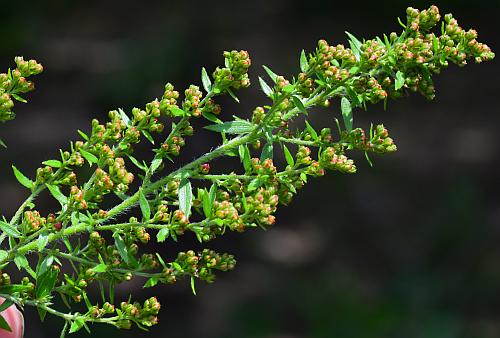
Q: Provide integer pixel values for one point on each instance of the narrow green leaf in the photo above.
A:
(162, 235)
(298, 103)
(254, 184)
(346, 108)
(144, 204)
(19, 98)
(267, 151)
(53, 163)
(124, 117)
(207, 205)
(42, 242)
(355, 45)
(303, 61)
(265, 87)
(177, 111)
(400, 80)
(2, 143)
(233, 95)
(193, 286)
(22, 263)
(151, 282)
(212, 193)
(311, 131)
(5, 305)
(91, 158)
(76, 325)
(83, 135)
(9, 229)
(57, 194)
(245, 157)
(137, 163)
(232, 127)
(271, 74)
(99, 268)
(148, 136)
(121, 247)
(211, 117)
(288, 156)
(44, 266)
(288, 88)
(22, 179)
(3, 324)
(185, 197)
(205, 79)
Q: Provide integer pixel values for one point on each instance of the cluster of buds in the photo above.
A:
(169, 99)
(370, 89)
(32, 220)
(97, 312)
(15, 82)
(303, 155)
(262, 204)
(226, 211)
(203, 264)
(304, 85)
(192, 100)
(380, 141)
(76, 198)
(332, 160)
(235, 73)
(422, 20)
(330, 57)
(43, 175)
(371, 51)
(144, 315)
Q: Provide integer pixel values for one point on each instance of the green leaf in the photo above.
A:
(233, 95)
(265, 87)
(400, 80)
(212, 193)
(22, 263)
(346, 108)
(9, 229)
(271, 74)
(3, 324)
(148, 136)
(162, 235)
(192, 286)
(311, 131)
(232, 127)
(254, 184)
(45, 282)
(267, 151)
(245, 157)
(19, 98)
(153, 280)
(144, 204)
(176, 111)
(288, 156)
(207, 205)
(99, 268)
(44, 266)
(5, 305)
(2, 143)
(124, 117)
(76, 325)
(42, 242)
(53, 163)
(121, 247)
(205, 79)
(298, 103)
(185, 197)
(91, 158)
(355, 45)
(155, 164)
(22, 179)
(57, 194)
(137, 163)
(83, 135)
(303, 61)
(211, 117)
(288, 88)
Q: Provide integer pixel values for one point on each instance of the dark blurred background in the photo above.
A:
(408, 248)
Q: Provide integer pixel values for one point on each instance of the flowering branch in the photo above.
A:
(191, 198)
